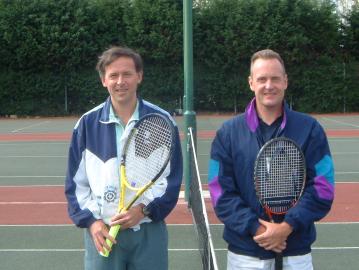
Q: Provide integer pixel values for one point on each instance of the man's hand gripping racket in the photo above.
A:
(279, 178)
(146, 154)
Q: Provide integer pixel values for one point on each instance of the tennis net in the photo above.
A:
(197, 207)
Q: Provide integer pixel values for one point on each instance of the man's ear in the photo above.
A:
(250, 81)
(103, 81)
(140, 77)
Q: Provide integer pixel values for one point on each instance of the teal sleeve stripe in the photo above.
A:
(213, 170)
(325, 167)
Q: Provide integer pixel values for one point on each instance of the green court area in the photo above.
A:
(42, 162)
(60, 247)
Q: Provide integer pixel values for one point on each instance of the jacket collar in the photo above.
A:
(252, 116)
(105, 114)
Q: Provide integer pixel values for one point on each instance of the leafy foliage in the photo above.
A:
(49, 48)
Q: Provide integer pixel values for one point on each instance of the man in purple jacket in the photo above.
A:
(252, 240)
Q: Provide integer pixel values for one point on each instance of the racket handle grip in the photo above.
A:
(113, 232)
(279, 261)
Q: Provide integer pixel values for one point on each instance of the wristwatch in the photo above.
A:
(145, 211)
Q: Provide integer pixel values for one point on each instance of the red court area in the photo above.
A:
(206, 134)
(47, 205)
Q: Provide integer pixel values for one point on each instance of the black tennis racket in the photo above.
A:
(146, 154)
(279, 178)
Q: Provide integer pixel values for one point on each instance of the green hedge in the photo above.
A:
(49, 48)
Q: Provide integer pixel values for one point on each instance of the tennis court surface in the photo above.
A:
(35, 232)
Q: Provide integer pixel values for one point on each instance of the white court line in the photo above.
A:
(30, 126)
(72, 225)
(32, 203)
(337, 223)
(31, 143)
(65, 156)
(31, 186)
(33, 156)
(330, 139)
(32, 176)
(42, 250)
(352, 139)
(340, 122)
(170, 249)
(38, 225)
(170, 225)
(206, 195)
(346, 173)
(337, 173)
(345, 153)
(334, 153)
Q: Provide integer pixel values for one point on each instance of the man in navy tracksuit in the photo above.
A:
(92, 182)
(252, 239)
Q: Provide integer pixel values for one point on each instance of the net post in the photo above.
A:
(189, 114)
(190, 122)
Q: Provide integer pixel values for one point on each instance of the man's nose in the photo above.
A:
(120, 79)
(269, 84)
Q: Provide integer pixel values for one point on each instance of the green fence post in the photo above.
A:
(189, 113)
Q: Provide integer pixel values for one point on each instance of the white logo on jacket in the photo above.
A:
(110, 194)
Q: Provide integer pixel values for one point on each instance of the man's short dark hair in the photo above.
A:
(113, 53)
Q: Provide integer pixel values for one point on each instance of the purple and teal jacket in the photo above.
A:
(230, 178)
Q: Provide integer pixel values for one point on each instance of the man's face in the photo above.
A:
(121, 80)
(268, 81)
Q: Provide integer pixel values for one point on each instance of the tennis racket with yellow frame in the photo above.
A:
(145, 157)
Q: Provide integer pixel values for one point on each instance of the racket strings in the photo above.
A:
(148, 151)
(280, 176)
